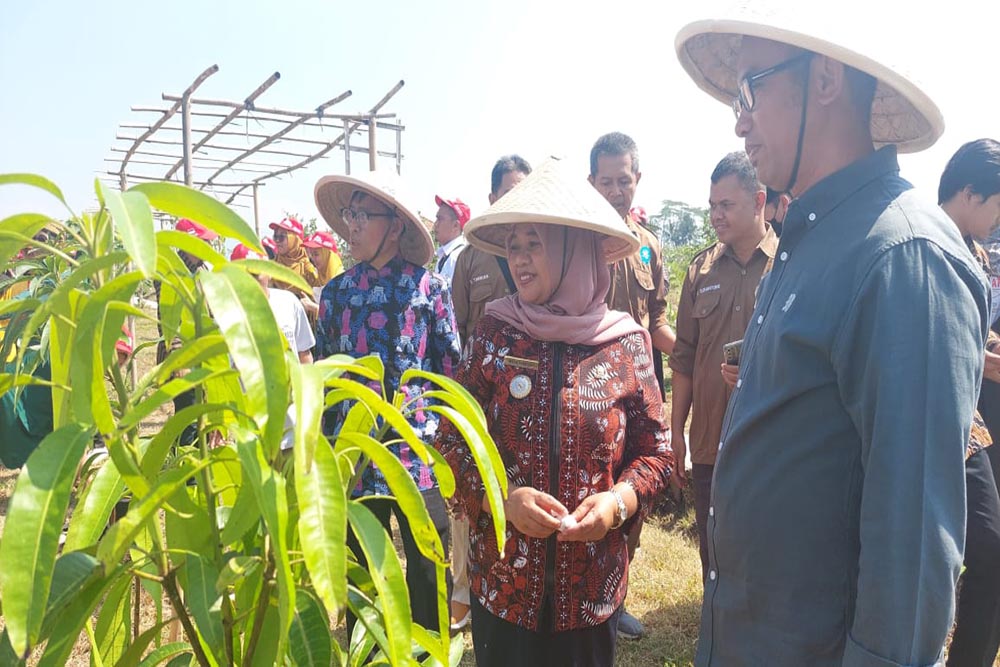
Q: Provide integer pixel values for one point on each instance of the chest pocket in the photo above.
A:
(706, 304)
(643, 273)
(482, 290)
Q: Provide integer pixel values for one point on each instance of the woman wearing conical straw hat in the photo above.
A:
(572, 402)
(837, 513)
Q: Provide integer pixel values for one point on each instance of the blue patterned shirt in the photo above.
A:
(403, 314)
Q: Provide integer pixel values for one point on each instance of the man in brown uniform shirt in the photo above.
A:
(478, 279)
(479, 276)
(717, 299)
(638, 286)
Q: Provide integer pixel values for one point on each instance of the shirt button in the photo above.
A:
(739, 383)
(720, 444)
(711, 511)
(712, 575)
(760, 319)
(743, 272)
(784, 257)
(812, 217)
(739, 308)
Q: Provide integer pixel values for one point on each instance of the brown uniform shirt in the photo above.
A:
(717, 300)
(637, 284)
(477, 281)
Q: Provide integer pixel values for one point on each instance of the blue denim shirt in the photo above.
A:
(837, 518)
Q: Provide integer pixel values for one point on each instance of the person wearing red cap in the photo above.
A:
(448, 224)
(322, 250)
(289, 252)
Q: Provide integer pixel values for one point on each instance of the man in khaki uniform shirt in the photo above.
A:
(479, 278)
(638, 286)
(717, 299)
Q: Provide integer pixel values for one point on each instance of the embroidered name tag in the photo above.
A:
(479, 279)
(519, 362)
(710, 288)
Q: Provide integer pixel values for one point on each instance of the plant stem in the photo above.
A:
(262, 602)
(170, 586)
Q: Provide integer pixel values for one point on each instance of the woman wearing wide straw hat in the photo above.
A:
(572, 403)
(389, 305)
(837, 514)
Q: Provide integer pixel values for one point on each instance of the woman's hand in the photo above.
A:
(310, 306)
(533, 512)
(594, 518)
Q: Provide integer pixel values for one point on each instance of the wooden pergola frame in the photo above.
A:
(208, 154)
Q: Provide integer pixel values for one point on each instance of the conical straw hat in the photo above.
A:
(902, 114)
(333, 193)
(550, 196)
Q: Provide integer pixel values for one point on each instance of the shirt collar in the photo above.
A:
(450, 245)
(394, 265)
(818, 201)
(768, 244)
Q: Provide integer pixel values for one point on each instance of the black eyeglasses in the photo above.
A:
(361, 218)
(745, 100)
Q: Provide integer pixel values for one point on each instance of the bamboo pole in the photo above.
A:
(372, 146)
(169, 113)
(247, 104)
(347, 147)
(230, 148)
(256, 210)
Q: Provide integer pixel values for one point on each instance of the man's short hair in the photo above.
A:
(738, 164)
(772, 196)
(506, 165)
(862, 87)
(614, 144)
(976, 166)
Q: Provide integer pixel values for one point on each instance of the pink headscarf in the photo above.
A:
(575, 313)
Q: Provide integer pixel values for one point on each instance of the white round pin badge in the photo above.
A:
(520, 386)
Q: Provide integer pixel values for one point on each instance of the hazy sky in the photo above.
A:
(535, 77)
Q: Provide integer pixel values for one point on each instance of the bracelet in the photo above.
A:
(622, 513)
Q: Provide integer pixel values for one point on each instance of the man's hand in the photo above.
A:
(594, 518)
(991, 369)
(678, 478)
(534, 513)
(310, 306)
(730, 374)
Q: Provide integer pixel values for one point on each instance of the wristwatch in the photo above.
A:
(622, 510)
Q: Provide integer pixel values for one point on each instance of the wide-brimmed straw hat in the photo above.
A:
(551, 196)
(902, 114)
(333, 193)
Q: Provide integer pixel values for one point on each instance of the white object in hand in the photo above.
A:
(567, 522)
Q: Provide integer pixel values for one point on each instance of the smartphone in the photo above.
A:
(731, 352)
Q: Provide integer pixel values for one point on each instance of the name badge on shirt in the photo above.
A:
(520, 362)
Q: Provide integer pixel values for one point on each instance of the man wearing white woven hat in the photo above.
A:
(837, 515)
(389, 305)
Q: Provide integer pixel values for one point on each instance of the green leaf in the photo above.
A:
(189, 356)
(184, 202)
(323, 524)
(139, 646)
(309, 639)
(269, 492)
(256, 344)
(134, 221)
(192, 245)
(244, 516)
(114, 623)
(168, 434)
(165, 652)
(74, 571)
(23, 225)
(268, 648)
(205, 604)
(31, 532)
(36, 181)
(90, 517)
(119, 537)
(168, 392)
(236, 570)
(387, 575)
(68, 619)
(274, 270)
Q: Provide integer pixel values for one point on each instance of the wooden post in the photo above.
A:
(186, 138)
(399, 150)
(347, 147)
(372, 148)
(256, 211)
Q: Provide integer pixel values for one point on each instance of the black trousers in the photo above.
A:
(421, 575)
(701, 481)
(499, 643)
(977, 628)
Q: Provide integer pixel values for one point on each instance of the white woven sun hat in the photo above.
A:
(333, 193)
(551, 196)
(902, 113)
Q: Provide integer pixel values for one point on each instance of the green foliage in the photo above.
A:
(245, 546)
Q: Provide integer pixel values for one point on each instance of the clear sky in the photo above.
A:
(537, 77)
